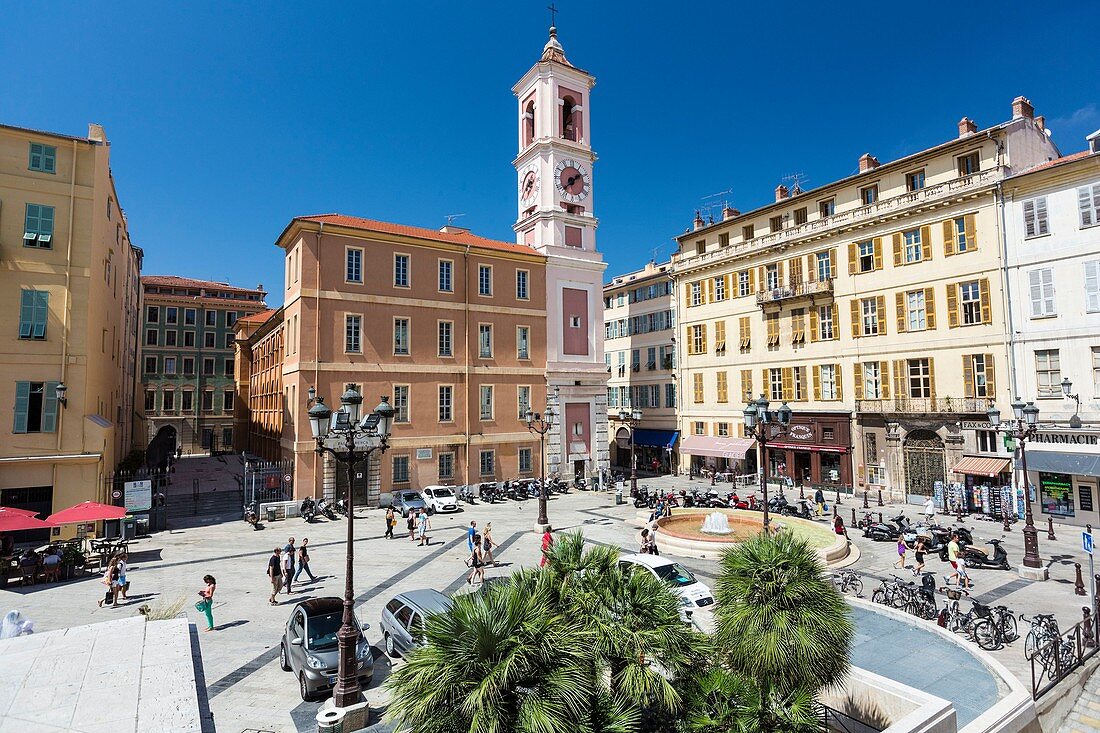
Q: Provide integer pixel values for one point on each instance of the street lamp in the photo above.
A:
(764, 424)
(541, 424)
(1067, 391)
(630, 419)
(1022, 427)
(349, 441)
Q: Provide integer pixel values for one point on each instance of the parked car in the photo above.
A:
(403, 619)
(408, 501)
(310, 650)
(440, 499)
(692, 593)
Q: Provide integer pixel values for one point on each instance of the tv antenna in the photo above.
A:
(451, 218)
(719, 200)
(795, 180)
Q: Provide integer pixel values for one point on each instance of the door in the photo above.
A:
(924, 462)
(297, 652)
(802, 473)
(401, 639)
(578, 469)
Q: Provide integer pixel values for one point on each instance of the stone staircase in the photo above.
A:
(1085, 715)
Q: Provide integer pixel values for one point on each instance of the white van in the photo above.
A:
(693, 594)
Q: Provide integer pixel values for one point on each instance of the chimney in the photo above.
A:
(729, 212)
(967, 126)
(781, 192)
(698, 223)
(1021, 107)
(452, 229)
(96, 133)
(867, 162)
(1041, 121)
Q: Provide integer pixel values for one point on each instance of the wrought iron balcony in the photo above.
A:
(925, 405)
(807, 289)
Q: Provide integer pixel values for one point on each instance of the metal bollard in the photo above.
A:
(1005, 526)
(801, 491)
(853, 516)
(880, 497)
(865, 504)
(1086, 626)
(838, 494)
(835, 511)
(1079, 583)
(880, 517)
(1050, 529)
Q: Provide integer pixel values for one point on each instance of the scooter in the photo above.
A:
(308, 509)
(976, 557)
(800, 509)
(325, 508)
(885, 531)
(340, 508)
(466, 495)
(252, 515)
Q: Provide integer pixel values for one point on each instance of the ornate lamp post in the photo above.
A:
(541, 425)
(349, 441)
(764, 424)
(1022, 427)
(631, 418)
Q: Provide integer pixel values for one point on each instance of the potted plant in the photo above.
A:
(71, 558)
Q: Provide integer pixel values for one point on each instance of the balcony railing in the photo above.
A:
(925, 405)
(884, 207)
(798, 290)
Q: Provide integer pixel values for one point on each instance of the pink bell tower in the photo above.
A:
(555, 216)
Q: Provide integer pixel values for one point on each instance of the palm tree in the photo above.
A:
(718, 700)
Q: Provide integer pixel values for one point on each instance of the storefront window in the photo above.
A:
(1056, 494)
(830, 467)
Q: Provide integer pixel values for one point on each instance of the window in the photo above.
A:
(523, 342)
(744, 333)
(189, 316)
(824, 265)
(914, 181)
(150, 365)
(485, 340)
(38, 226)
(697, 388)
(722, 429)
(916, 316)
(353, 334)
(776, 223)
(1096, 371)
(971, 303)
(868, 195)
(698, 343)
(723, 388)
(826, 208)
(446, 465)
(696, 293)
(43, 158)
(401, 403)
(208, 366)
(523, 400)
(486, 460)
(169, 365)
(230, 318)
(720, 338)
(635, 360)
(354, 270)
(1088, 205)
(826, 322)
(699, 428)
(1035, 217)
(744, 283)
(211, 318)
(720, 288)
(771, 321)
(522, 278)
(187, 401)
(188, 365)
(724, 239)
(208, 400)
(1041, 286)
(151, 337)
(670, 395)
(796, 389)
(651, 358)
(446, 338)
(969, 164)
(827, 374)
(988, 441)
(978, 378)
(446, 403)
(152, 314)
(188, 338)
(1048, 373)
(228, 367)
(446, 283)
(34, 314)
(209, 338)
(959, 235)
(920, 378)
(150, 400)
(229, 339)
(775, 384)
(1056, 494)
(798, 326)
(401, 271)
(1092, 286)
(866, 253)
(748, 232)
(486, 402)
(169, 401)
(800, 216)
(227, 400)
(401, 336)
(525, 460)
(912, 246)
(771, 276)
(400, 469)
(35, 407)
(485, 280)
(870, 317)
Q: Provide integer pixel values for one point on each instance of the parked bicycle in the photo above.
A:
(848, 582)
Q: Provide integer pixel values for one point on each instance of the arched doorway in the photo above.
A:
(924, 462)
(622, 447)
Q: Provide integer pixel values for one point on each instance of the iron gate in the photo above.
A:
(265, 481)
(924, 462)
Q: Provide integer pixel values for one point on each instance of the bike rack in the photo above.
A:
(1052, 661)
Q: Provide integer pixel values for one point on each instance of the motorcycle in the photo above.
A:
(252, 515)
(800, 509)
(885, 531)
(341, 508)
(325, 508)
(466, 495)
(308, 509)
(965, 538)
(976, 557)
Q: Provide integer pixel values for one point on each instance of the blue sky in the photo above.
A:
(226, 120)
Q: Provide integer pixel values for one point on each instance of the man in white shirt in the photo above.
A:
(930, 510)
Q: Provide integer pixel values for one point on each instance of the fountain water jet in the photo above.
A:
(716, 523)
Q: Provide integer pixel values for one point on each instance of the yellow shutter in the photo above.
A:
(719, 335)
(836, 321)
(839, 381)
(708, 295)
(697, 380)
(990, 378)
(817, 383)
(811, 268)
(899, 378)
(949, 237)
(930, 307)
(788, 383)
(899, 303)
(728, 282)
(877, 247)
(987, 310)
(932, 377)
(897, 249)
(761, 278)
(857, 375)
(855, 318)
(968, 375)
(880, 306)
(722, 387)
(746, 384)
(832, 262)
(971, 228)
(926, 243)
(752, 280)
(853, 258)
(765, 384)
(952, 305)
(813, 323)
(779, 273)
(884, 378)
(795, 268)
(703, 347)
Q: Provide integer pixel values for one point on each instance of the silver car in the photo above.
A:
(309, 647)
(408, 501)
(403, 619)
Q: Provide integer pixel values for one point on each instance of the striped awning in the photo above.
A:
(979, 466)
(702, 445)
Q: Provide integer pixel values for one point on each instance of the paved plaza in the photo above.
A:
(246, 690)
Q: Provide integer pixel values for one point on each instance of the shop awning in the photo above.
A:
(812, 448)
(648, 438)
(1080, 464)
(980, 466)
(703, 445)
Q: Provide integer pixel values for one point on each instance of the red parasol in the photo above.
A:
(87, 511)
(15, 522)
(24, 512)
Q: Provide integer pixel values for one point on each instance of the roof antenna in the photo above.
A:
(796, 180)
(712, 201)
(451, 218)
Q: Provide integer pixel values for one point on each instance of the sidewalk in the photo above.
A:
(213, 473)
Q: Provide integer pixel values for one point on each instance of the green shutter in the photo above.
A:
(49, 159)
(26, 314)
(22, 401)
(45, 220)
(35, 163)
(41, 312)
(30, 228)
(49, 408)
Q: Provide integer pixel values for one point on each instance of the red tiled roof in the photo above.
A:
(186, 282)
(1058, 161)
(258, 317)
(385, 227)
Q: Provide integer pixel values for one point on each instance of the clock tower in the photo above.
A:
(555, 202)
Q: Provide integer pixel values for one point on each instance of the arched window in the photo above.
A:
(528, 124)
(568, 127)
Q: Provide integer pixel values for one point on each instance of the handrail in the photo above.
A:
(1057, 658)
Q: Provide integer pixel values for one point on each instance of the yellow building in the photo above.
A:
(71, 288)
(873, 305)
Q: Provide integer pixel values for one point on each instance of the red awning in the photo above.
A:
(703, 445)
(13, 522)
(87, 511)
(812, 447)
(978, 466)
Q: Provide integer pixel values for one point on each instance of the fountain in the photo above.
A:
(716, 523)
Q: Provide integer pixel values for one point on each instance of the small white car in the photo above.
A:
(440, 498)
(693, 594)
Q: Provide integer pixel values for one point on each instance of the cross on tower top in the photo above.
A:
(553, 15)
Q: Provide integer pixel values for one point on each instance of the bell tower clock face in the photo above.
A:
(529, 185)
(572, 181)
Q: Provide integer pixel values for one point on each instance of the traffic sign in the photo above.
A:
(1086, 542)
(287, 478)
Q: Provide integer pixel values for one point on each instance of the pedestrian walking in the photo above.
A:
(953, 558)
(643, 543)
(471, 532)
(123, 584)
(423, 525)
(819, 500)
(289, 551)
(929, 510)
(110, 579)
(547, 544)
(275, 574)
(475, 561)
(410, 522)
(902, 549)
(391, 522)
(207, 602)
(487, 545)
(919, 551)
(303, 561)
